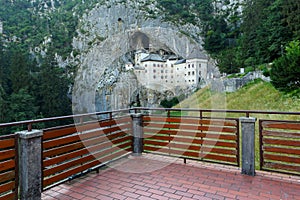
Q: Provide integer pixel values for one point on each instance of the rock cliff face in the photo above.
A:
(105, 42)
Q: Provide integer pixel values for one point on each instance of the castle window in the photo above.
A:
(145, 65)
(193, 73)
(189, 73)
(162, 77)
(154, 65)
(162, 71)
(154, 71)
(154, 77)
(189, 66)
(192, 65)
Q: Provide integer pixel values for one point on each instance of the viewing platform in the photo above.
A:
(134, 178)
(148, 153)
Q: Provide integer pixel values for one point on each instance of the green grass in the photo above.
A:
(257, 95)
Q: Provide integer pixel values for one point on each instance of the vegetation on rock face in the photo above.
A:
(237, 39)
(29, 90)
(28, 23)
(31, 83)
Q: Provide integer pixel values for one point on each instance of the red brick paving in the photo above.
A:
(159, 178)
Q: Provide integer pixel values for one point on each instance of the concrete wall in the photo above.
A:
(233, 84)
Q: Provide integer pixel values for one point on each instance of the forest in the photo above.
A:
(251, 34)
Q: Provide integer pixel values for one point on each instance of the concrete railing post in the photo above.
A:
(248, 145)
(138, 134)
(30, 162)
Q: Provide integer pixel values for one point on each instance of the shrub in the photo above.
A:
(169, 103)
(285, 73)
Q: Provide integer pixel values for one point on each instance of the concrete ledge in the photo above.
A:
(30, 134)
(247, 119)
(136, 115)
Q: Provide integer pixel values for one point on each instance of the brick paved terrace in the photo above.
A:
(158, 177)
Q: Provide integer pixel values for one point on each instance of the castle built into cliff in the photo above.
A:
(154, 69)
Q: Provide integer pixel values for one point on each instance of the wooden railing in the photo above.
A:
(70, 150)
(8, 167)
(215, 140)
(203, 135)
(280, 146)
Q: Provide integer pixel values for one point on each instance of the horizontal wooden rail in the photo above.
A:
(70, 150)
(280, 146)
(8, 167)
(213, 140)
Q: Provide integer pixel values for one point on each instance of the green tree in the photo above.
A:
(227, 61)
(215, 38)
(53, 87)
(264, 32)
(3, 105)
(291, 11)
(4, 68)
(169, 103)
(285, 73)
(21, 106)
(254, 12)
(19, 71)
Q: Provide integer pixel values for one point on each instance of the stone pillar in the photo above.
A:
(138, 133)
(248, 145)
(30, 162)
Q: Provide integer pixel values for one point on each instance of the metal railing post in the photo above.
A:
(30, 156)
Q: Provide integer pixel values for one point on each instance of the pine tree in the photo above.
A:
(53, 89)
(21, 106)
(291, 10)
(3, 105)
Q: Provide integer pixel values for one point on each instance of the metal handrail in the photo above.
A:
(247, 113)
(35, 121)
